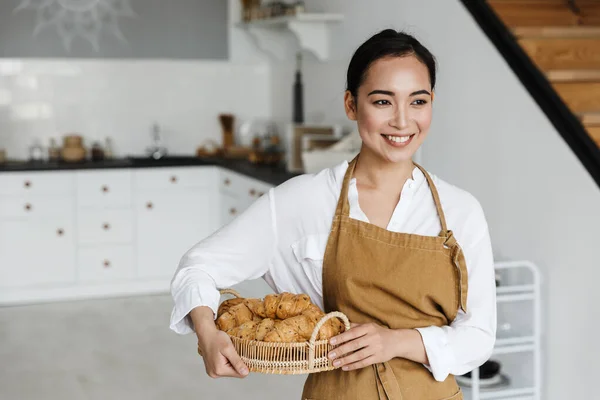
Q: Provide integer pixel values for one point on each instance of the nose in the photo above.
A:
(400, 118)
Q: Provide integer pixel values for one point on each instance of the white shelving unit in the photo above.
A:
(311, 31)
(518, 335)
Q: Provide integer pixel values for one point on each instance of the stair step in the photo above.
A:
(563, 53)
(590, 119)
(580, 97)
(534, 13)
(573, 75)
(550, 32)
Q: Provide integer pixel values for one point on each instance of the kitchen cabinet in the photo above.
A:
(167, 226)
(98, 233)
(37, 252)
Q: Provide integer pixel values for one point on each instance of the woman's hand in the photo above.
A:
(366, 344)
(220, 357)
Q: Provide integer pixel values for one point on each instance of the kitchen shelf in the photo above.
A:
(517, 367)
(311, 31)
(517, 347)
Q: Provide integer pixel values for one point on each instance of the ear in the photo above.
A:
(350, 105)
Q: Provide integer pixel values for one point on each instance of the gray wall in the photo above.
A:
(176, 29)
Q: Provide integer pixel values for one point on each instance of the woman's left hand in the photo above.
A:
(363, 345)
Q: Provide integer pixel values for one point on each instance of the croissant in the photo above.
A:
(284, 317)
(246, 331)
(227, 304)
(257, 306)
(234, 316)
(285, 305)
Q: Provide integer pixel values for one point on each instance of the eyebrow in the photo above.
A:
(388, 93)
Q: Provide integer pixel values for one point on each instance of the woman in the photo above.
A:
(388, 255)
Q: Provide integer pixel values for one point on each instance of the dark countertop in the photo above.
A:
(273, 175)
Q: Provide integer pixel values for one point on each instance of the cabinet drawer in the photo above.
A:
(36, 207)
(35, 183)
(242, 186)
(106, 226)
(104, 188)
(105, 263)
(231, 207)
(176, 177)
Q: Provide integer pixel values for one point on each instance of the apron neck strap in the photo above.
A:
(343, 206)
(436, 199)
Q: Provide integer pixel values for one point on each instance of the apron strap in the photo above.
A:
(436, 199)
(343, 206)
(387, 384)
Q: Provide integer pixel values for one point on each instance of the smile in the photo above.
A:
(398, 141)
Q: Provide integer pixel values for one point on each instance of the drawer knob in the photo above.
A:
(173, 179)
(149, 205)
(232, 211)
(60, 232)
(106, 264)
(28, 207)
(27, 184)
(104, 189)
(252, 192)
(227, 182)
(106, 226)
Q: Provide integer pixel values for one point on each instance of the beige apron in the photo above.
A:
(397, 280)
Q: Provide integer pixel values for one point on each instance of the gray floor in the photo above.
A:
(113, 349)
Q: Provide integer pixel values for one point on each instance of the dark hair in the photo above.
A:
(387, 43)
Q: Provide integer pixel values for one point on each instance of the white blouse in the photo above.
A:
(282, 238)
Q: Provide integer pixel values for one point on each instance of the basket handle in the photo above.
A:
(230, 291)
(325, 318)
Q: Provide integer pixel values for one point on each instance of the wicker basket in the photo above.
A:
(287, 358)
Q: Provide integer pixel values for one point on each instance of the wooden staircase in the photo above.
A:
(562, 38)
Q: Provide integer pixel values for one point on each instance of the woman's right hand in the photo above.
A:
(220, 357)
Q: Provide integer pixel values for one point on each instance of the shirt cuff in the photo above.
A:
(435, 341)
(186, 300)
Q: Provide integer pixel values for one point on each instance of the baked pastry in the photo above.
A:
(283, 318)
(227, 304)
(234, 316)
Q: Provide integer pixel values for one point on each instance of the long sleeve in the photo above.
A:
(469, 340)
(239, 251)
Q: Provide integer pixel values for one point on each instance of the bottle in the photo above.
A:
(108, 149)
(53, 151)
(298, 89)
(36, 152)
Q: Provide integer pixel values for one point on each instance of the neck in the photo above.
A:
(373, 171)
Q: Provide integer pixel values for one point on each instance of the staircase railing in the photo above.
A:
(566, 123)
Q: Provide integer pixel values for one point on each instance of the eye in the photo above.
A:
(382, 102)
(419, 102)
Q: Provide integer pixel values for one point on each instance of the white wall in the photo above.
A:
(121, 99)
(491, 139)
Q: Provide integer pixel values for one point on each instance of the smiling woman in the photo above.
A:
(405, 255)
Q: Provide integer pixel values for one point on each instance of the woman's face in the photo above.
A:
(393, 107)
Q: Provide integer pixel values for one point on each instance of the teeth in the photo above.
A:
(398, 139)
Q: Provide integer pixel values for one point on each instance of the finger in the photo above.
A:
(235, 360)
(365, 362)
(348, 335)
(353, 358)
(351, 346)
(353, 325)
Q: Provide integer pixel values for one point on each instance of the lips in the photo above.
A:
(398, 140)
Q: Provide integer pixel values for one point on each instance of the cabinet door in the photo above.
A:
(35, 251)
(167, 226)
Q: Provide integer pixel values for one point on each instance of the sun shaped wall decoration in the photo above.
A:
(84, 18)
